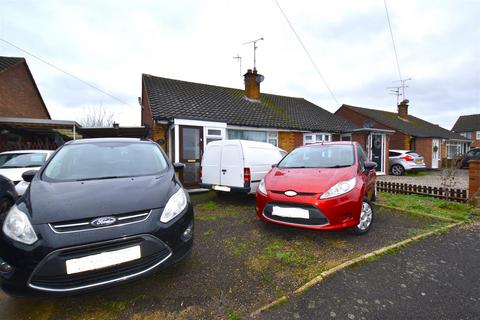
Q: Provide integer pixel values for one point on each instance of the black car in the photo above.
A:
(8, 196)
(473, 154)
(100, 212)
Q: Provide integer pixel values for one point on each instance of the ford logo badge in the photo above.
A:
(103, 221)
(290, 193)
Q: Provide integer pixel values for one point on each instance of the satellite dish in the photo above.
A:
(259, 78)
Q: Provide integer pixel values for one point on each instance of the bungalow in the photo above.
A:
(469, 127)
(184, 116)
(433, 142)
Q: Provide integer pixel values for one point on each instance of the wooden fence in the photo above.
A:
(459, 195)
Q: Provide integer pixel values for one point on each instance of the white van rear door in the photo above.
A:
(232, 166)
(211, 164)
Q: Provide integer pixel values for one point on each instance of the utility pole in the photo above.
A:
(254, 51)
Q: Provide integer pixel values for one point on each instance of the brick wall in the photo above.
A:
(423, 146)
(158, 133)
(474, 179)
(146, 116)
(475, 141)
(289, 140)
(19, 97)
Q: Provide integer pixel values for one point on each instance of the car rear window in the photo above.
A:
(103, 160)
(323, 156)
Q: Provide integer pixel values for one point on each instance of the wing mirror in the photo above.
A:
(28, 175)
(369, 165)
(177, 166)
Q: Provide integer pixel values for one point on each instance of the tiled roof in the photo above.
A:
(8, 62)
(467, 123)
(414, 126)
(171, 99)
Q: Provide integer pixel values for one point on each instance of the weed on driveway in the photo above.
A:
(239, 263)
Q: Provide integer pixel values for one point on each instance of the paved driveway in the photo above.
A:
(437, 278)
(430, 178)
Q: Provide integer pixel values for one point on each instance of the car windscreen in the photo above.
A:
(22, 160)
(105, 160)
(323, 156)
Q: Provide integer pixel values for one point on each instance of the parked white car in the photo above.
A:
(237, 165)
(14, 163)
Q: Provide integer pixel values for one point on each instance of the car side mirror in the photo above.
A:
(28, 175)
(274, 165)
(177, 166)
(369, 165)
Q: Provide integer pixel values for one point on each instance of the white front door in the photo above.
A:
(376, 151)
(435, 153)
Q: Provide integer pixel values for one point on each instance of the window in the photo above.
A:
(321, 156)
(346, 137)
(261, 136)
(309, 138)
(478, 135)
(467, 135)
(213, 135)
(453, 149)
(362, 158)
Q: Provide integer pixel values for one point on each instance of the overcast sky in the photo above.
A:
(111, 43)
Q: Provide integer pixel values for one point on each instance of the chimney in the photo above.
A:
(403, 109)
(252, 84)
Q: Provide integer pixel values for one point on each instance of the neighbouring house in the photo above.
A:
(433, 142)
(25, 122)
(469, 127)
(184, 116)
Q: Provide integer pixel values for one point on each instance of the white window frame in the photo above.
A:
(457, 145)
(207, 135)
(478, 135)
(270, 134)
(343, 135)
(314, 137)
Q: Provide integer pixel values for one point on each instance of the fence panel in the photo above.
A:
(459, 195)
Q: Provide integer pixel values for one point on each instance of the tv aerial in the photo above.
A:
(239, 59)
(254, 51)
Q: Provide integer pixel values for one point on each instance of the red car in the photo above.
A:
(327, 186)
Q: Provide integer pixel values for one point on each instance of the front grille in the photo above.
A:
(316, 217)
(85, 224)
(51, 274)
(298, 193)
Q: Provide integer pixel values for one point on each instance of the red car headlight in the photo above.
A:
(340, 188)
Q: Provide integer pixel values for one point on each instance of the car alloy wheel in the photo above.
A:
(365, 216)
(398, 170)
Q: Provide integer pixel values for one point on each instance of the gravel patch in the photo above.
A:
(430, 179)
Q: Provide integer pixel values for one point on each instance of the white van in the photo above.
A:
(237, 165)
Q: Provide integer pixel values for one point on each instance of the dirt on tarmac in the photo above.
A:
(238, 264)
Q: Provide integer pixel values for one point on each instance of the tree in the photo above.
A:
(97, 118)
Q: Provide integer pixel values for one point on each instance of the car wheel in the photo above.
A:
(366, 218)
(398, 170)
(5, 205)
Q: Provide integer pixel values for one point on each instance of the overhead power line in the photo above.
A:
(308, 54)
(393, 41)
(68, 73)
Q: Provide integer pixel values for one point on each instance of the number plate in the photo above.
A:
(418, 161)
(102, 260)
(221, 188)
(290, 212)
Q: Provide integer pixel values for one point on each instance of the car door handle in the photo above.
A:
(224, 170)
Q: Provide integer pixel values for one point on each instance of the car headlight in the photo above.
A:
(18, 227)
(340, 188)
(175, 205)
(262, 188)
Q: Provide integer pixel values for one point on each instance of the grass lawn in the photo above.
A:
(417, 174)
(429, 205)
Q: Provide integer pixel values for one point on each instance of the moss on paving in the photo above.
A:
(428, 205)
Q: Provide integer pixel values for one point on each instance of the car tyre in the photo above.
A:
(366, 218)
(5, 205)
(398, 170)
